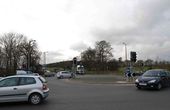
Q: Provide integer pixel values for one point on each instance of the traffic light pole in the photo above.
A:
(74, 66)
(133, 59)
(125, 51)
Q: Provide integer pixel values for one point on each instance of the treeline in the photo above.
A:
(17, 52)
(100, 58)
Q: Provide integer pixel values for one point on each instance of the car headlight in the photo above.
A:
(152, 81)
(136, 80)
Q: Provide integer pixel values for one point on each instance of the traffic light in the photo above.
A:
(75, 61)
(133, 56)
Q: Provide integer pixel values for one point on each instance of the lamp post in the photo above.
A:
(45, 59)
(30, 44)
(125, 50)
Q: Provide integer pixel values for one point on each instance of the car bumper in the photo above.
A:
(146, 85)
(45, 94)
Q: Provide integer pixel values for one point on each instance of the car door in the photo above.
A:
(164, 78)
(68, 74)
(8, 89)
(64, 73)
(168, 77)
(26, 84)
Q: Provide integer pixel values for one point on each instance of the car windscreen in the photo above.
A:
(152, 73)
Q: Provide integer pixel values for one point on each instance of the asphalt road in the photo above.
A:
(65, 95)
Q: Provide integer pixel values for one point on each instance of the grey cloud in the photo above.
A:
(52, 53)
(52, 56)
(151, 12)
(147, 18)
(80, 46)
(149, 34)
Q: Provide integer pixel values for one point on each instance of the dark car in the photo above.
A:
(155, 78)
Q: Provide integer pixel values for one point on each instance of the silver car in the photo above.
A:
(64, 74)
(29, 88)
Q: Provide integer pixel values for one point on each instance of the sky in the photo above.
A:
(64, 28)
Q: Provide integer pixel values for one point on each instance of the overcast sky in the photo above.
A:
(64, 28)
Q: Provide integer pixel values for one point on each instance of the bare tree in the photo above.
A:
(31, 55)
(89, 58)
(10, 43)
(103, 51)
(89, 55)
(15, 50)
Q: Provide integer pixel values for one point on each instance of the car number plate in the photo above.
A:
(142, 84)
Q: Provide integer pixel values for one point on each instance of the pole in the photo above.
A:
(125, 51)
(45, 60)
(31, 46)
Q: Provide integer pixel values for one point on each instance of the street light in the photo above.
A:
(125, 50)
(30, 45)
(45, 59)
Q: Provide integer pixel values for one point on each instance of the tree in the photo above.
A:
(113, 65)
(10, 44)
(30, 53)
(103, 51)
(88, 58)
(149, 63)
(140, 63)
(99, 57)
(16, 49)
(89, 54)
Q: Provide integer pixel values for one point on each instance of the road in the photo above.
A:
(65, 95)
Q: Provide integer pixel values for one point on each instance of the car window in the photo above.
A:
(27, 80)
(168, 73)
(163, 73)
(42, 80)
(67, 72)
(9, 82)
(151, 73)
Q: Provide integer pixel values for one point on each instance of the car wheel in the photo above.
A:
(138, 87)
(35, 99)
(159, 86)
(61, 77)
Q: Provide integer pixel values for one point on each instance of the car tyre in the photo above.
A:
(35, 99)
(61, 77)
(138, 87)
(159, 86)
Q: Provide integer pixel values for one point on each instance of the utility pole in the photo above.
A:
(44, 58)
(30, 44)
(125, 50)
(45, 62)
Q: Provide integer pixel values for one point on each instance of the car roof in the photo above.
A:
(20, 76)
(158, 70)
(63, 71)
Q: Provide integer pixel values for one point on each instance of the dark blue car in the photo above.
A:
(155, 78)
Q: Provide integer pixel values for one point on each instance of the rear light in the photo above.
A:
(44, 87)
